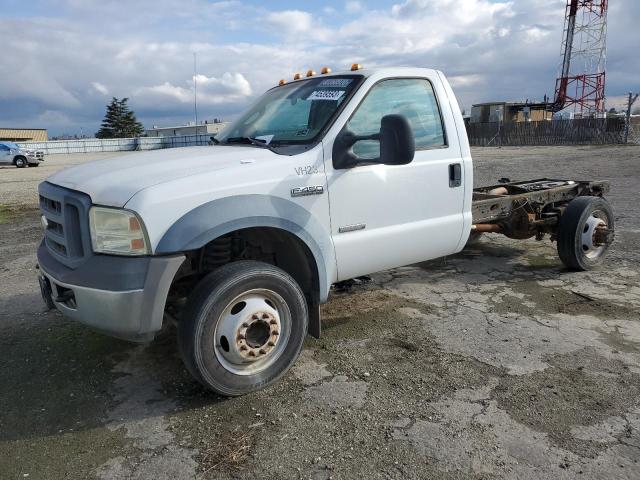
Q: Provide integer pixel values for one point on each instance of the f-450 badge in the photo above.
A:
(304, 191)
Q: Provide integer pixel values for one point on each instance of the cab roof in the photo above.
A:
(380, 73)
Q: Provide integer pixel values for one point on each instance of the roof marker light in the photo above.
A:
(311, 73)
(297, 76)
(355, 66)
(282, 82)
(325, 70)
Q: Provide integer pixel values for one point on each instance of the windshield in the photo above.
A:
(293, 113)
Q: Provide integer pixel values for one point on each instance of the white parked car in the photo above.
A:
(13, 154)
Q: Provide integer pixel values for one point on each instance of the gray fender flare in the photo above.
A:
(219, 217)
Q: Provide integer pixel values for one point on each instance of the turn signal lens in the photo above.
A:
(355, 66)
(297, 76)
(311, 73)
(325, 70)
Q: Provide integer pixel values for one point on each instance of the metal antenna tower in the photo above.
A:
(584, 46)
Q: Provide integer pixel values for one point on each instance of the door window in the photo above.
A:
(412, 97)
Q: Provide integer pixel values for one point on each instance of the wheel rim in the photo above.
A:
(20, 162)
(252, 332)
(591, 250)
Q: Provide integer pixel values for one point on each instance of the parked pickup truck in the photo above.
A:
(12, 154)
(325, 178)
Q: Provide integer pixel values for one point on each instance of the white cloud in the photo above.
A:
(465, 81)
(297, 25)
(55, 117)
(211, 91)
(100, 88)
(291, 21)
(86, 50)
(354, 7)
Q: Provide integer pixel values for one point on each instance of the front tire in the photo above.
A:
(20, 162)
(578, 230)
(243, 327)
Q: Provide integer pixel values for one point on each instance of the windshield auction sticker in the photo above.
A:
(335, 82)
(326, 95)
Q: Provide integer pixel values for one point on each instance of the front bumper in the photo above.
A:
(37, 157)
(132, 309)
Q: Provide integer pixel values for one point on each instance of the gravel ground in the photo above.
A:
(19, 186)
(495, 363)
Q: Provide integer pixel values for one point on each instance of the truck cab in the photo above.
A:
(325, 178)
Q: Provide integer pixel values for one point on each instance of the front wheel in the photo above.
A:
(243, 327)
(20, 162)
(585, 232)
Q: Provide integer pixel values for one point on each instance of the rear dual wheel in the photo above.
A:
(585, 232)
(243, 327)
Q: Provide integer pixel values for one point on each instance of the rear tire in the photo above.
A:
(20, 162)
(576, 228)
(243, 327)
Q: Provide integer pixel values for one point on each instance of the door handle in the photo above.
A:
(455, 175)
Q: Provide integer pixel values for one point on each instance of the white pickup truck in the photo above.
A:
(325, 178)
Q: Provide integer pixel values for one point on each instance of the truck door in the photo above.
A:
(387, 216)
(5, 154)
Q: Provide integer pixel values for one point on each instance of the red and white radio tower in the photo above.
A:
(584, 47)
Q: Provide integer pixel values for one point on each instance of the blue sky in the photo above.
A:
(67, 58)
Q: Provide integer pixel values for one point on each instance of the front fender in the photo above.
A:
(216, 218)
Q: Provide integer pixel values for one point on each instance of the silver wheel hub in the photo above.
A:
(252, 332)
(590, 248)
(258, 335)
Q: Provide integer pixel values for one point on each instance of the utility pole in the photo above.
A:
(627, 122)
(195, 91)
(500, 113)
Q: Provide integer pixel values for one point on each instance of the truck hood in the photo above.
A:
(114, 181)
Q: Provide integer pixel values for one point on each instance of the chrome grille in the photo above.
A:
(67, 230)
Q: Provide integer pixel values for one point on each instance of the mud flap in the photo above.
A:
(46, 292)
(315, 325)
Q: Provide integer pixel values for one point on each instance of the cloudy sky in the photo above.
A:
(62, 60)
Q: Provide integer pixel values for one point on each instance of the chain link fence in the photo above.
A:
(634, 131)
(591, 131)
(86, 145)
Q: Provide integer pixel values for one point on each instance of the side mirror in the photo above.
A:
(397, 145)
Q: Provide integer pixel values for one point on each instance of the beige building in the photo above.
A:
(510, 112)
(23, 134)
(190, 129)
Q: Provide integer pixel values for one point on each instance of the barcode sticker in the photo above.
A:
(326, 95)
(336, 82)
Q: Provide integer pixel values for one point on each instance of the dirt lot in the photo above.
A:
(495, 363)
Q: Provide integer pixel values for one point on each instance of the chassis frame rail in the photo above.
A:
(529, 208)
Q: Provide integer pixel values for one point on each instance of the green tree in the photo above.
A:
(119, 121)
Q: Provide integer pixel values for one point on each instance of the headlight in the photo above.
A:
(117, 231)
